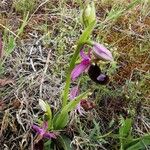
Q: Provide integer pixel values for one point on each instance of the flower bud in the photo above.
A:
(42, 105)
(88, 14)
(46, 108)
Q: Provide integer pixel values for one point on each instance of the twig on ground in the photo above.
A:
(44, 73)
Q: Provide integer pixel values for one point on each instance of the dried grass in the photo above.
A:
(37, 67)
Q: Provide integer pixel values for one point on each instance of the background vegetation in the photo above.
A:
(32, 30)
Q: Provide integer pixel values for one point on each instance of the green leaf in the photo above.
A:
(95, 131)
(140, 144)
(125, 132)
(127, 141)
(133, 4)
(48, 145)
(125, 128)
(11, 45)
(49, 115)
(73, 103)
(65, 143)
(117, 11)
(60, 120)
(1, 68)
(25, 22)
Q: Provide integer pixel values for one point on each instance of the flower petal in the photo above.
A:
(102, 79)
(37, 129)
(80, 109)
(49, 135)
(101, 52)
(74, 92)
(84, 56)
(45, 125)
(80, 68)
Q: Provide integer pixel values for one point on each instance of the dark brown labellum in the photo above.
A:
(87, 105)
(39, 145)
(94, 71)
(96, 75)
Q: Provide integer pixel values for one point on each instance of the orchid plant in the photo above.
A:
(50, 127)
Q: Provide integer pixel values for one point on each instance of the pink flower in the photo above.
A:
(42, 131)
(102, 52)
(80, 68)
(99, 51)
(73, 93)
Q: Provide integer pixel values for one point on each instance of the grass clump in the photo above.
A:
(24, 6)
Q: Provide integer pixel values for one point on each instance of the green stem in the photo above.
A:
(68, 77)
(73, 103)
(82, 40)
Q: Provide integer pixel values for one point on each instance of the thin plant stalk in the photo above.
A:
(68, 76)
(82, 40)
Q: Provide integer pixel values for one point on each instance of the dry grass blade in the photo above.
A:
(1, 47)
(9, 30)
(5, 81)
(37, 40)
(4, 122)
(45, 69)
